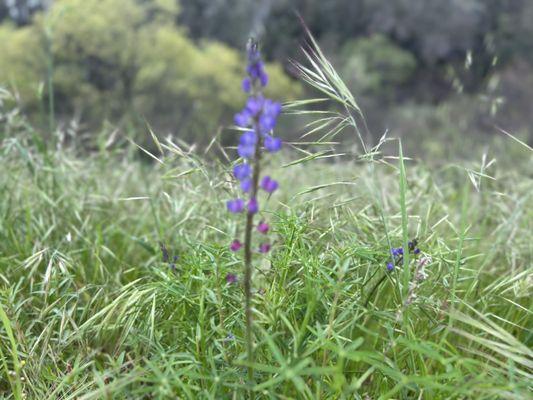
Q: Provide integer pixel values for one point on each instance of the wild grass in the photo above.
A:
(89, 310)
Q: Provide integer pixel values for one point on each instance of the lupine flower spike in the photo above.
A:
(257, 119)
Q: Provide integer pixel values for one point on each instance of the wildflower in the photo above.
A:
(268, 184)
(390, 266)
(231, 278)
(263, 227)
(242, 171)
(269, 116)
(246, 151)
(235, 206)
(253, 205)
(246, 85)
(247, 141)
(258, 118)
(235, 245)
(272, 144)
(264, 247)
(246, 185)
(248, 138)
(416, 251)
(397, 251)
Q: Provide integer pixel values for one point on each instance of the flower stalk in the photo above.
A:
(258, 118)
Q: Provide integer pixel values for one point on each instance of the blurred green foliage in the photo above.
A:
(375, 65)
(127, 62)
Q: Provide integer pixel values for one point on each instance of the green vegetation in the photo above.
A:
(128, 63)
(89, 310)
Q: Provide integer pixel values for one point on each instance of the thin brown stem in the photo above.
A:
(248, 268)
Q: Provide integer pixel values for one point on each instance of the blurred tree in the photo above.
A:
(376, 66)
(126, 61)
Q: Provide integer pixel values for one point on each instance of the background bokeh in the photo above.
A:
(443, 75)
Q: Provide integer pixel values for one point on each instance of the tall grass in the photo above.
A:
(90, 311)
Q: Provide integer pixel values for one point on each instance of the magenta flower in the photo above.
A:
(268, 184)
(235, 245)
(263, 227)
(264, 247)
(231, 278)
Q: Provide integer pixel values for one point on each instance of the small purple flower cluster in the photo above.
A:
(258, 119)
(397, 254)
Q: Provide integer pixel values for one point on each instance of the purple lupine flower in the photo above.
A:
(245, 151)
(263, 227)
(242, 171)
(235, 205)
(247, 141)
(255, 69)
(248, 138)
(268, 184)
(264, 247)
(246, 85)
(235, 245)
(253, 206)
(246, 185)
(263, 78)
(272, 144)
(255, 104)
(231, 278)
(243, 119)
(270, 112)
(390, 266)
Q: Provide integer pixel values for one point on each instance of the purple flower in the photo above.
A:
(246, 85)
(242, 171)
(253, 206)
(243, 119)
(246, 185)
(235, 245)
(247, 141)
(246, 151)
(263, 78)
(272, 144)
(397, 251)
(254, 105)
(268, 184)
(390, 266)
(263, 227)
(264, 247)
(231, 278)
(255, 69)
(269, 116)
(248, 138)
(235, 205)
(417, 251)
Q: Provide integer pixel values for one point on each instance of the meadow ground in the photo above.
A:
(90, 311)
